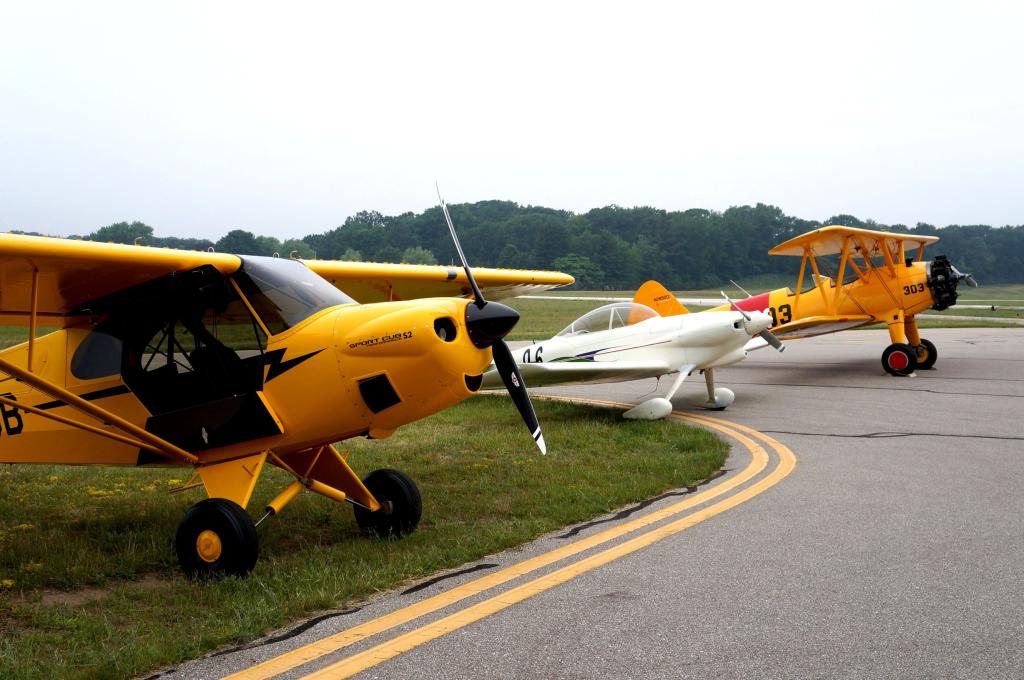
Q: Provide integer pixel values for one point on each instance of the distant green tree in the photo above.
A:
(388, 254)
(511, 256)
(269, 245)
(586, 273)
(239, 242)
(418, 255)
(300, 248)
(123, 232)
(351, 255)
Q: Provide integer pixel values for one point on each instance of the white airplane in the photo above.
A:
(632, 340)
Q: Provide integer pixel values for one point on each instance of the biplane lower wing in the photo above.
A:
(820, 325)
(576, 372)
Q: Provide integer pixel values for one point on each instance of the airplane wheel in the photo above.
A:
(401, 500)
(926, 354)
(899, 359)
(216, 538)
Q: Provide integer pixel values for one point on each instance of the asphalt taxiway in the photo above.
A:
(868, 526)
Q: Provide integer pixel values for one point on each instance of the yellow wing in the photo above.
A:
(69, 273)
(820, 325)
(379, 282)
(829, 241)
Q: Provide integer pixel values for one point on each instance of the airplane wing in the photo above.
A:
(818, 325)
(68, 273)
(576, 372)
(378, 282)
(829, 241)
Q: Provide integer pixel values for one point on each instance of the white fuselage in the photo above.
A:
(703, 340)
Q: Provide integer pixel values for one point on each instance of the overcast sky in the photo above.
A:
(286, 118)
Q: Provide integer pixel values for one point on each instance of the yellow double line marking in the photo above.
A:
(403, 643)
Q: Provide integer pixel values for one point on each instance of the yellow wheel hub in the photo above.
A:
(208, 546)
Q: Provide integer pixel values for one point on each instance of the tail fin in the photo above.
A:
(657, 297)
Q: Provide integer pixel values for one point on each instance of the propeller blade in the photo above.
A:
(513, 379)
(770, 338)
(477, 295)
(969, 280)
(487, 328)
(733, 304)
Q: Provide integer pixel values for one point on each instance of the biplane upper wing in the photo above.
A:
(63, 274)
(573, 372)
(829, 241)
(369, 282)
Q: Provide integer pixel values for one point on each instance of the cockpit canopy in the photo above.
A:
(615, 315)
(285, 292)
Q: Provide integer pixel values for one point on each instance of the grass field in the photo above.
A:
(90, 588)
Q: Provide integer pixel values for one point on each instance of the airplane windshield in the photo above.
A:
(285, 292)
(611, 316)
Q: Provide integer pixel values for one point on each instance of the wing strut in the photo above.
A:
(150, 440)
(32, 315)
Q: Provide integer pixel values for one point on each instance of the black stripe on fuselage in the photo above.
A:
(88, 396)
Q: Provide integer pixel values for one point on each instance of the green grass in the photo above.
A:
(484, 485)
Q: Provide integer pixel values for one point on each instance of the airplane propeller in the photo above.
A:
(768, 336)
(966, 278)
(488, 323)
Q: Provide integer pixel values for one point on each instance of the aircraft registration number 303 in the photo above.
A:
(783, 315)
(913, 288)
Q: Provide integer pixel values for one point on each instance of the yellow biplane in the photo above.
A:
(880, 277)
(227, 363)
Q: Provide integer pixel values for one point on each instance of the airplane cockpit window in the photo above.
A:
(285, 292)
(615, 315)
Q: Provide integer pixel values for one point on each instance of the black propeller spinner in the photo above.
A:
(488, 323)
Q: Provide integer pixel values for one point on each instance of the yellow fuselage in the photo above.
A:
(877, 298)
(357, 370)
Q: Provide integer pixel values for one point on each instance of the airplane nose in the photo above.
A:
(489, 324)
(759, 321)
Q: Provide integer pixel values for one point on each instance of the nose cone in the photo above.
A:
(491, 323)
(759, 321)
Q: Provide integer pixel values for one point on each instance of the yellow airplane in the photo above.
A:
(879, 279)
(226, 363)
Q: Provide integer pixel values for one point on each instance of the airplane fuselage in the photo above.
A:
(703, 340)
(880, 298)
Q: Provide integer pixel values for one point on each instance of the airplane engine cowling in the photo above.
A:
(729, 359)
(942, 280)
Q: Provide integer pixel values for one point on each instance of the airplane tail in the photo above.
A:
(657, 297)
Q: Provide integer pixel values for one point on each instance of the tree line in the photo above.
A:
(612, 247)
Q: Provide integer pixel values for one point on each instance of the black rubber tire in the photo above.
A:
(926, 355)
(402, 505)
(899, 359)
(237, 534)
